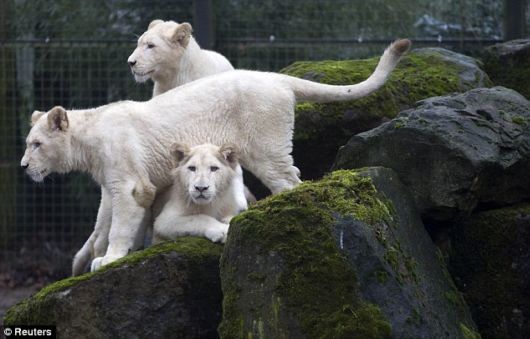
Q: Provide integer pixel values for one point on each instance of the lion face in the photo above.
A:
(205, 171)
(47, 144)
(159, 50)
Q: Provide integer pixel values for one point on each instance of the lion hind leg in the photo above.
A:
(82, 258)
(277, 173)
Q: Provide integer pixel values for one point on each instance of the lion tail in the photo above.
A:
(308, 91)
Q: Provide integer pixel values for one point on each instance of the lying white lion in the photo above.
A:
(169, 55)
(207, 192)
(124, 145)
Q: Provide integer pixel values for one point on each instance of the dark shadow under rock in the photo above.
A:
(490, 262)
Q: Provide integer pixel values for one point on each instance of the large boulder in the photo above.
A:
(490, 262)
(344, 257)
(454, 152)
(167, 291)
(320, 129)
(508, 64)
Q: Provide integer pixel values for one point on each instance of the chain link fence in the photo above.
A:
(73, 53)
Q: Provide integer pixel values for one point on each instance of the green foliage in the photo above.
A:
(318, 19)
(94, 19)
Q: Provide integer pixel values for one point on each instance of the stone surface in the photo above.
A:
(320, 129)
(490, 262)
(454, 152)
(508, 64)
(344, 257)
(167, 291)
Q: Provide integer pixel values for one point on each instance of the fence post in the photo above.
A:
(514, 19)
(8, 132)
(203, 23)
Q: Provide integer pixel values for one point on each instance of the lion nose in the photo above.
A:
(132, 62)
(24, 166)
(201, 188)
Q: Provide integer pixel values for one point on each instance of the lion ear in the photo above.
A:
(154, 23)
(35, 116)
(179, 151)
(57, 119)
(229, 153)
(182, 34)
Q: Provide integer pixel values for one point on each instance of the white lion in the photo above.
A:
(169, 55)
(207, 192)
(125, 145)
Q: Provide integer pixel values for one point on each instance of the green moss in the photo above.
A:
(323, 128)
(256, 276)
(25, 311)
(484, 252)
(318, 284)
(381, 277)
(519, 120)
(454, 297)
(469, 333)
(399, 124)
(362, 322)
(346, 192)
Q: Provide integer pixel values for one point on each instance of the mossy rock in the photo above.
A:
(490, 261)
(169, 290)
(344, 257)
(320, 129)
(508, 64)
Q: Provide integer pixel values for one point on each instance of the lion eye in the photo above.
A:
(192, 168)
(150, 45)
(214, 168)
(36, 145)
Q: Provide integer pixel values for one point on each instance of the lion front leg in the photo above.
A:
(131, 202)
(170, 226)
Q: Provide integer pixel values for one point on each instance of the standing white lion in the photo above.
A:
(169, 55)
(124, 145)
(207, 192)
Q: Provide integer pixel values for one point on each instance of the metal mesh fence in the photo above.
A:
(73, 53)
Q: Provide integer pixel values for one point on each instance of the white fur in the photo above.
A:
(125, 145)
(190, 211)
(172, 61)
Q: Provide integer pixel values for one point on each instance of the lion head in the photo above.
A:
(159, 50)
(204, 172)
(47, 144)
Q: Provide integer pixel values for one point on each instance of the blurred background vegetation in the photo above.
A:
(73, 53)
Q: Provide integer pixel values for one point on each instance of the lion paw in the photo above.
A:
(99, 262)
(217, 234)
